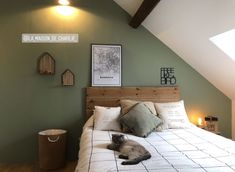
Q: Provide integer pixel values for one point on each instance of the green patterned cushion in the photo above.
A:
(140, 121)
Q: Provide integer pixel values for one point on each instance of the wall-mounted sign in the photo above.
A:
(49, 38)
(167, 76)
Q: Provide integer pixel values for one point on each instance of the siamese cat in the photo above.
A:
(129, 149)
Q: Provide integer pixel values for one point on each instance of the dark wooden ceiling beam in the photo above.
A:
(144, 10)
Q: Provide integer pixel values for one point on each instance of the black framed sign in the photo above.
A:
(106, 64)
(167, 76)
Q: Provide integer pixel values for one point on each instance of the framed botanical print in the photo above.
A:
(106, 64)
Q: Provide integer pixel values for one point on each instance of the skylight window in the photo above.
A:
(226, 42)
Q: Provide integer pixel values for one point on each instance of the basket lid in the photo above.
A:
(52, 132)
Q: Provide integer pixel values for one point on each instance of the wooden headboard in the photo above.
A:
(110, 96)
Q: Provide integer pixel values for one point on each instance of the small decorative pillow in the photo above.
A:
(173, 115)
(128, 104)
(106, 118)
(140, 121)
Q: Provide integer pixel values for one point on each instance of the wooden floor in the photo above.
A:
(70, 167)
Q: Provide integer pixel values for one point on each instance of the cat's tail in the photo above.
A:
(137, 160)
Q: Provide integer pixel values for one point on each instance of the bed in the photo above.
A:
(173, 150)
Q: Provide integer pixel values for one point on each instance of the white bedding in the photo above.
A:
(173, 150)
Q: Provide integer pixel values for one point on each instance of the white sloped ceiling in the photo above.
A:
(185, 26)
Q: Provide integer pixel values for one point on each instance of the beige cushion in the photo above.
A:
(126, 106)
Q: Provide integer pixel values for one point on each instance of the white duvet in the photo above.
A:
(173, 150)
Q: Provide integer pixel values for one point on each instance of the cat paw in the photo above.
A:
(109, 147)
(124, 163)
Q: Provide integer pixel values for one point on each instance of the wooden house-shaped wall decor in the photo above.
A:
(46, 64)
(67, 78)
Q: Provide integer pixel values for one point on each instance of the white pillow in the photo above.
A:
(106, 118)
(173, 115)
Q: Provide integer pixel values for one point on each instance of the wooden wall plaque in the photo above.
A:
(67, 78)
(46, 64)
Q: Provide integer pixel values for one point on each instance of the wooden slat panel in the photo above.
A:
(129, 91)
(110, 96)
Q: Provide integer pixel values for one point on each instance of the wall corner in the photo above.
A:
(233, 119)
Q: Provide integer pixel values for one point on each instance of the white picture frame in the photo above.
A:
(106, 64)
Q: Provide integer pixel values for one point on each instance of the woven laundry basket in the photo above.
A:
(52, 148)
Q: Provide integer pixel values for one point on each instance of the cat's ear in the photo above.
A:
(114, 135)
(121, 136)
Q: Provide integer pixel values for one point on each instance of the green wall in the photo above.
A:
(30, 102)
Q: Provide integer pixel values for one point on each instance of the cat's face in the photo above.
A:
(117, 138)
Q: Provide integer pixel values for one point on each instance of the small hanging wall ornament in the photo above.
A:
(167, 76)
(68, 78)
(46, 64)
